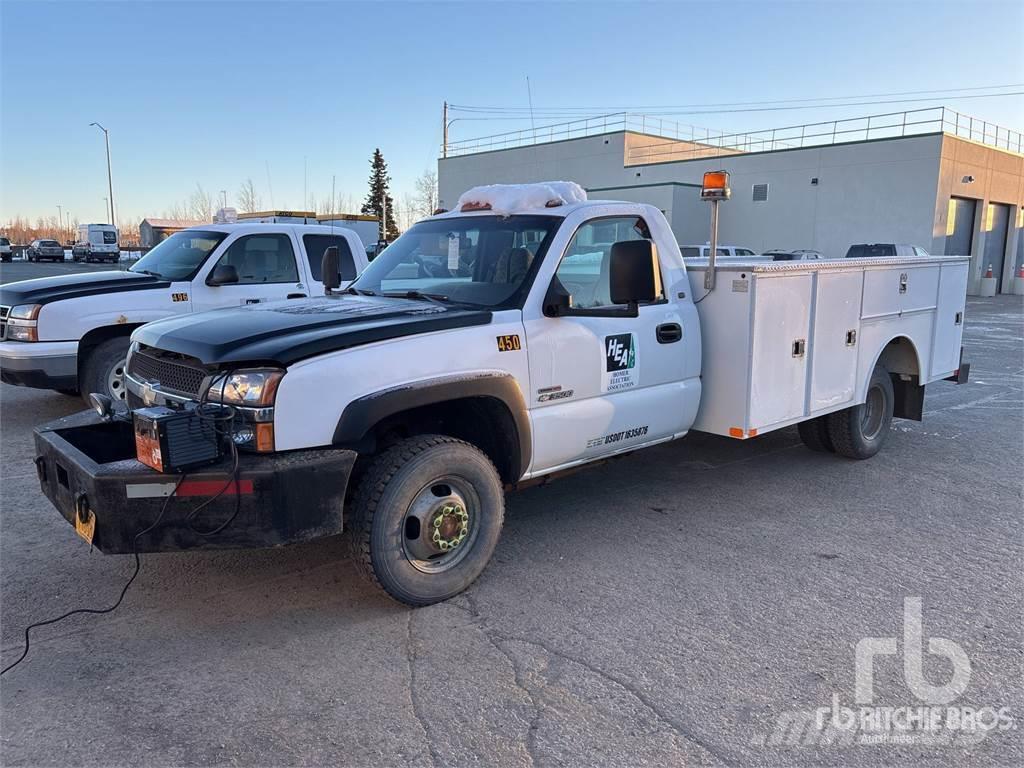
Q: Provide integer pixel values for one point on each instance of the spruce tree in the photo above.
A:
(379, 183)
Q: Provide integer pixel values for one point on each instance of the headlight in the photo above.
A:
(21, 322)
(255, 389)
(24, 312)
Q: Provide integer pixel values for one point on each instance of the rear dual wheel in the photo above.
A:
(858, 432)
(426, 518)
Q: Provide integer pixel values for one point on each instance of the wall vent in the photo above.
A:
(760, 193)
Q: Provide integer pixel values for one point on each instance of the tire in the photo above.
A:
(430, 483)
(103, 370)
(814, 434)
(859, 432)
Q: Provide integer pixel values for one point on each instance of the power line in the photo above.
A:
(560, 110)
(680, 112)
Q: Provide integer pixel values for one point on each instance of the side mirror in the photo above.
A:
(330, 268)
(557, 300)
(223, 274)
(633, 272)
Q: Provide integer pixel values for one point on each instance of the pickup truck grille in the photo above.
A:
(178, 373)
(4, 311)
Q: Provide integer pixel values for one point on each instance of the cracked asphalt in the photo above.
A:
(670, 608)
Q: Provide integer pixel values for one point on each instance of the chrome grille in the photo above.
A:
(4, 311)
(177, 373)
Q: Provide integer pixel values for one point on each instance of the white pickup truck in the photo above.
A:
(70, 332)
(525, 333)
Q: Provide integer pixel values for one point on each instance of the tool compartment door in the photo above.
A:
(833, 346)
(778, 378)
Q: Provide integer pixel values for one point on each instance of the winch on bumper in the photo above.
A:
(87, 465)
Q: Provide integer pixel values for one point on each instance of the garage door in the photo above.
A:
(997, 221)
(959, 226)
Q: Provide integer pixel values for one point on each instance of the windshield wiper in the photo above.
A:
(147, 272)
(414, 294)
(359, 291)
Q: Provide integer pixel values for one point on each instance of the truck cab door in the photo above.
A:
(605, 383)
(265, 269)
(314, 246)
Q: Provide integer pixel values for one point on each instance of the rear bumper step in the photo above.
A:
(85, 464)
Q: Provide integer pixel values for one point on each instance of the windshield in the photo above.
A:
(180, 255)
(50, 243)
(480, 260)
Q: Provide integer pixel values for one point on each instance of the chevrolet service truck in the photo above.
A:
(528, 332)
(70, 332)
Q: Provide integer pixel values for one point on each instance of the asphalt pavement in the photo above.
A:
(692, 603)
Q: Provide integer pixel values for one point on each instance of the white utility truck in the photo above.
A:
(525, 333)
(70, 332)
(96, 242)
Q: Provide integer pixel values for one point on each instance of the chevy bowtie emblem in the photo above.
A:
(149, 392)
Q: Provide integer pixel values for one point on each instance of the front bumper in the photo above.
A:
(39, 364)
(85, 463)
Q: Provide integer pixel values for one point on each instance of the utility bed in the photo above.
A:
(785, 341)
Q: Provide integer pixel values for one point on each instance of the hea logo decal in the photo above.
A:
(620, 371)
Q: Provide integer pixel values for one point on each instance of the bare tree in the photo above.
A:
(249, 200)
(200, 204)
(426, 193)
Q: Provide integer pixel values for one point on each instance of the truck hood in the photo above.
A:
(284, 332)
(44, 290)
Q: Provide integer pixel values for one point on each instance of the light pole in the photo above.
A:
(60, 219)
(105, 206)
(110, 182)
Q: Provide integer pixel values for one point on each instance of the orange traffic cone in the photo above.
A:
(988, 272)
(1020, 272)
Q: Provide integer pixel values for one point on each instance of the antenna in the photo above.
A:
(269, 185)
(305, 177)
(529, 95)
(333, 179)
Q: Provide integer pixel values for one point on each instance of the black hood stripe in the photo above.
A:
(49, 289)
(286, 332)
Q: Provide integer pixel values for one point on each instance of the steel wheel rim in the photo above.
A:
(115, 380)
(445, 510)
(873, 414)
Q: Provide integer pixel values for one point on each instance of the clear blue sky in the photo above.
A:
(213, 93)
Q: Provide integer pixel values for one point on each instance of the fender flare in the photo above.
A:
(362, 414)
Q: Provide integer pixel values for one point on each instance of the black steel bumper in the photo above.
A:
(87, 464)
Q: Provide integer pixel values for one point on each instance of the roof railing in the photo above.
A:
(686, 142)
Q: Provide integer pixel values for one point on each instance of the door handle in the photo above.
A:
(296, 296)
(669, 333)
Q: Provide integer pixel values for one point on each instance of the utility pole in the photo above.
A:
(110, 182)
(444, 139)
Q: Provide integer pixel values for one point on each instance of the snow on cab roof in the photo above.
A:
(506, 199)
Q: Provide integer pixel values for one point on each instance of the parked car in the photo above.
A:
(5, 250)
(884, 250)
(702, 251)
(799, 255)
(76, 330)
(96, 242)
(462, 363)
(45, 250)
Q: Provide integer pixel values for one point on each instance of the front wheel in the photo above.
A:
(426, 518)
(103, 370)
(860, 431)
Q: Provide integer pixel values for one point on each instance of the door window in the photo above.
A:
(315, 247)
(262, 259)
(585, 268)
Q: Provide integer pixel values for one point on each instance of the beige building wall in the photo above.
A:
(988, 175)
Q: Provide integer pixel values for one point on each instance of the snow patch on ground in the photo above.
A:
(505, 199)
